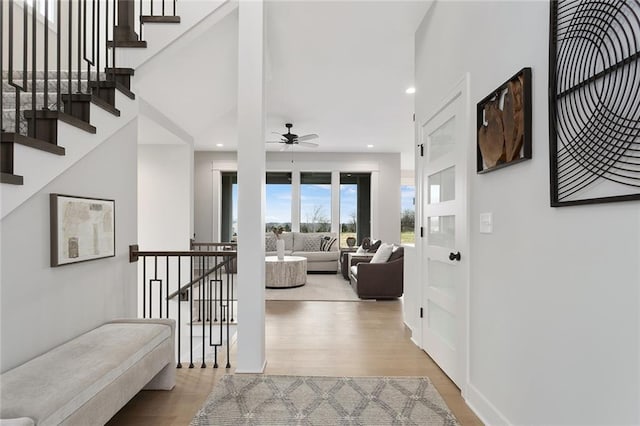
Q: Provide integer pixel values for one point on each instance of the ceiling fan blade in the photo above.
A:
(309, 137)
(308, 144)
(274, 142)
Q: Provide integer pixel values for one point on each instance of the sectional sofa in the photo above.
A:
(309, 245)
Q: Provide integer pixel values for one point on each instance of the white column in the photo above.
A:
(335, 202)
(216, 199)
(295, 200)
(251, 184)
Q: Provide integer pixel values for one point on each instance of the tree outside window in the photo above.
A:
(315, 202)
(348, 212)
(408, 215)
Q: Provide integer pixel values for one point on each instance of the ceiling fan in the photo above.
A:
(290, 139)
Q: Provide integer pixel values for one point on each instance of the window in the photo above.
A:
(234, 214)
(315, 202)
(355, 206)
(348, 208)
(278, 201)
(229, 207)
(408, 218)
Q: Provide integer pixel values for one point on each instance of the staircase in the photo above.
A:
(30, 117)
(53, 96)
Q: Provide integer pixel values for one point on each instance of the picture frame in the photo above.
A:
(503, 132)
(594, 120)
(82, 229)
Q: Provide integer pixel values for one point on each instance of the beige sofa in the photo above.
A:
(308, 245)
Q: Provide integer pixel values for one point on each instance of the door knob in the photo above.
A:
(454, 256)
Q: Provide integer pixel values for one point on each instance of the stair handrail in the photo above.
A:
(229, 255)
(206, 304)
(205, 275)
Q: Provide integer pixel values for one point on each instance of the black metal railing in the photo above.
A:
(229, 268)
(155, 8)
(82, 42)
(203, 280)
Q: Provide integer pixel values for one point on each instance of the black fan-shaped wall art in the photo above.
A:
(594, 101)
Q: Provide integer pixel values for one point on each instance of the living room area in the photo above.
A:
(347, 200)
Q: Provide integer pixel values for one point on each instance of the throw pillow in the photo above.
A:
(270, 243)
(375, 245)
(397, 253)
(383, 253)
(361, 250)
(310, 242)
(326, 243)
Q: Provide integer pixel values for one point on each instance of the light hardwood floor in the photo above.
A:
(310, 338)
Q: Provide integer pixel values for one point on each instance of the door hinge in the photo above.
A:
(421, 313)
(414, 116)
(421, 150)
(422, 232)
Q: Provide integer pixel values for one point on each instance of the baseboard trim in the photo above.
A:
(259, 371)
(415, 342)
(483, 408)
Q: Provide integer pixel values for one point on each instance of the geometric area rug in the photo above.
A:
(257, 399)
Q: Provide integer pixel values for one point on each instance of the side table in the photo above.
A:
(344, 261)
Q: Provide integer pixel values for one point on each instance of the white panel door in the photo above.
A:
(444, 242)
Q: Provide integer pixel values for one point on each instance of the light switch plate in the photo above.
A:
(486, 223)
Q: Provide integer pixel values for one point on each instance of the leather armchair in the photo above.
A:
(378, 280)
(344, 255)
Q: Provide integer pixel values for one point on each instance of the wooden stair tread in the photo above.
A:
(128, 43)
(105, 105)
(11, 179)
(120, 71)
(86, 97)
(69, 119)
(147, 19)
(110, 84)
(32, 143)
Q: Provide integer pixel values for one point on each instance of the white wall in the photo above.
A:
(385, 168)
(43, 307)
(554, 297)
(165, 196)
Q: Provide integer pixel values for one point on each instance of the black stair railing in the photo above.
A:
(155, 8)
(200, 279)
(80, 53)
(66, 47)
(229, 268)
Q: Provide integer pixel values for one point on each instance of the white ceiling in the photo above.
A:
(339, 69)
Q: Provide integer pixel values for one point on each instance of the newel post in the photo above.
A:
(124, 31)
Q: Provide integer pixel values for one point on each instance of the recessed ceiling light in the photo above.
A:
(410, 90)
(219, 145)
(369, 146)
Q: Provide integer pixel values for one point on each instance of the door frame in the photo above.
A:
(462, 90)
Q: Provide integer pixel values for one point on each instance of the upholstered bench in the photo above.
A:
(88, 379)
